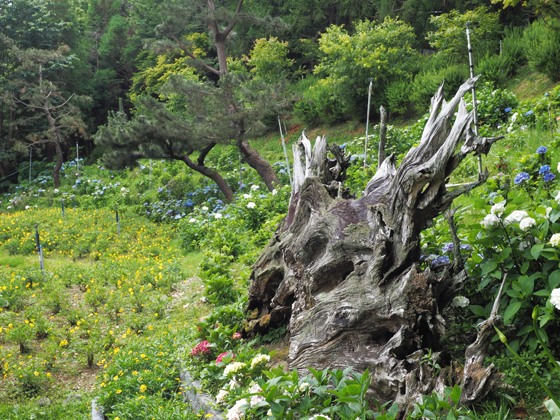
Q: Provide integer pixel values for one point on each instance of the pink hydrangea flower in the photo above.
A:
(201, 348)
(236, 336)
(219, 359)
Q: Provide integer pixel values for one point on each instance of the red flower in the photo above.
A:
(219, 359)
(236, 336)
(201, 348)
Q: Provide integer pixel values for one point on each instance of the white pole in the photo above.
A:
(78, 158)
(285, 153)
(367, 120)
(471, 66)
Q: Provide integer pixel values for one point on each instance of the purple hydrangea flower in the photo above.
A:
(447, 248)
(441, 260)
(520, 177)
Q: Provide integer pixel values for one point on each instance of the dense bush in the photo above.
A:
(541, 46)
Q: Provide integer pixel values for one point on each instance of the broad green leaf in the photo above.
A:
(554, 279)
(511, 310)
(488, 267)
(478, 310)
(536, 250)
(456, 394)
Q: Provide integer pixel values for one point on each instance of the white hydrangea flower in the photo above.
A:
(490, 220)
(527, 223)
(27, 207)
(255, 399)
(254, 187)
(204, 208)
(555, 298)
(261, 359)
(217, 215)
(247, 196)
(274, 192)
(516, 217)
(498, 208)
(460, 302)
(55, 190)
(123, 189)
(233, 384)
(221, 397)
(192, 220)
(235, 413)
(555, 239)
(234, 368)
(251, 205)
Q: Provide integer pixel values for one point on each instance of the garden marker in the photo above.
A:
(74, 201)
(471, 67)
(77, 160)
(39, 250)
(285, 153)
(30, 153)
(367, 119)
(62, 206)
(118, 222)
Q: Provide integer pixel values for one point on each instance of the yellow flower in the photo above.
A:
(143, 388)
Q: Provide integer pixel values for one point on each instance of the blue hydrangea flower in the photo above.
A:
(441, 260)
(466, 246)
(544, 169)
(549, 176)
(520, 177)
(530, 112)
(447, 248)
(542, 150)
(508, 109)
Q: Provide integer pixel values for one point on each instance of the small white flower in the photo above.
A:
(233, 384)
(514, 117)
(303, 387)
(527, 223)
(221, 397)
(235, 413)
(516, 217)
(246, 196)
(192, 220)
(123, 189)
(254, 187)
(9, 207)
(555, 239)
(490, 220)
(460, 302)
(274, 192)
(204, 208)
(27, 207)
(217, 215)
(555, 298)
(251, 205)
(55, 190)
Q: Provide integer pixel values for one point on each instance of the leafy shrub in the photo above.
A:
(318, 105)
(426, 84)
(398, 94)
(541, 46)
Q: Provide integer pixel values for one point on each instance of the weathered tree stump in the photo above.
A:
(344, 273)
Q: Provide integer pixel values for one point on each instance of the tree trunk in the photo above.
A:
(56, 140)
(212, 174)
(344, 274)
(259, 164)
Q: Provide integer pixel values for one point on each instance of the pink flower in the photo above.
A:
(219, 359)
(201, 348)
(236, 336)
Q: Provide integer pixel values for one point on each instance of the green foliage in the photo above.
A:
(450, 38)
(426, 83)
(318, 104)
(492, 105)
(380, 51)
(268, 59)
(438, 406)
(541, 46)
